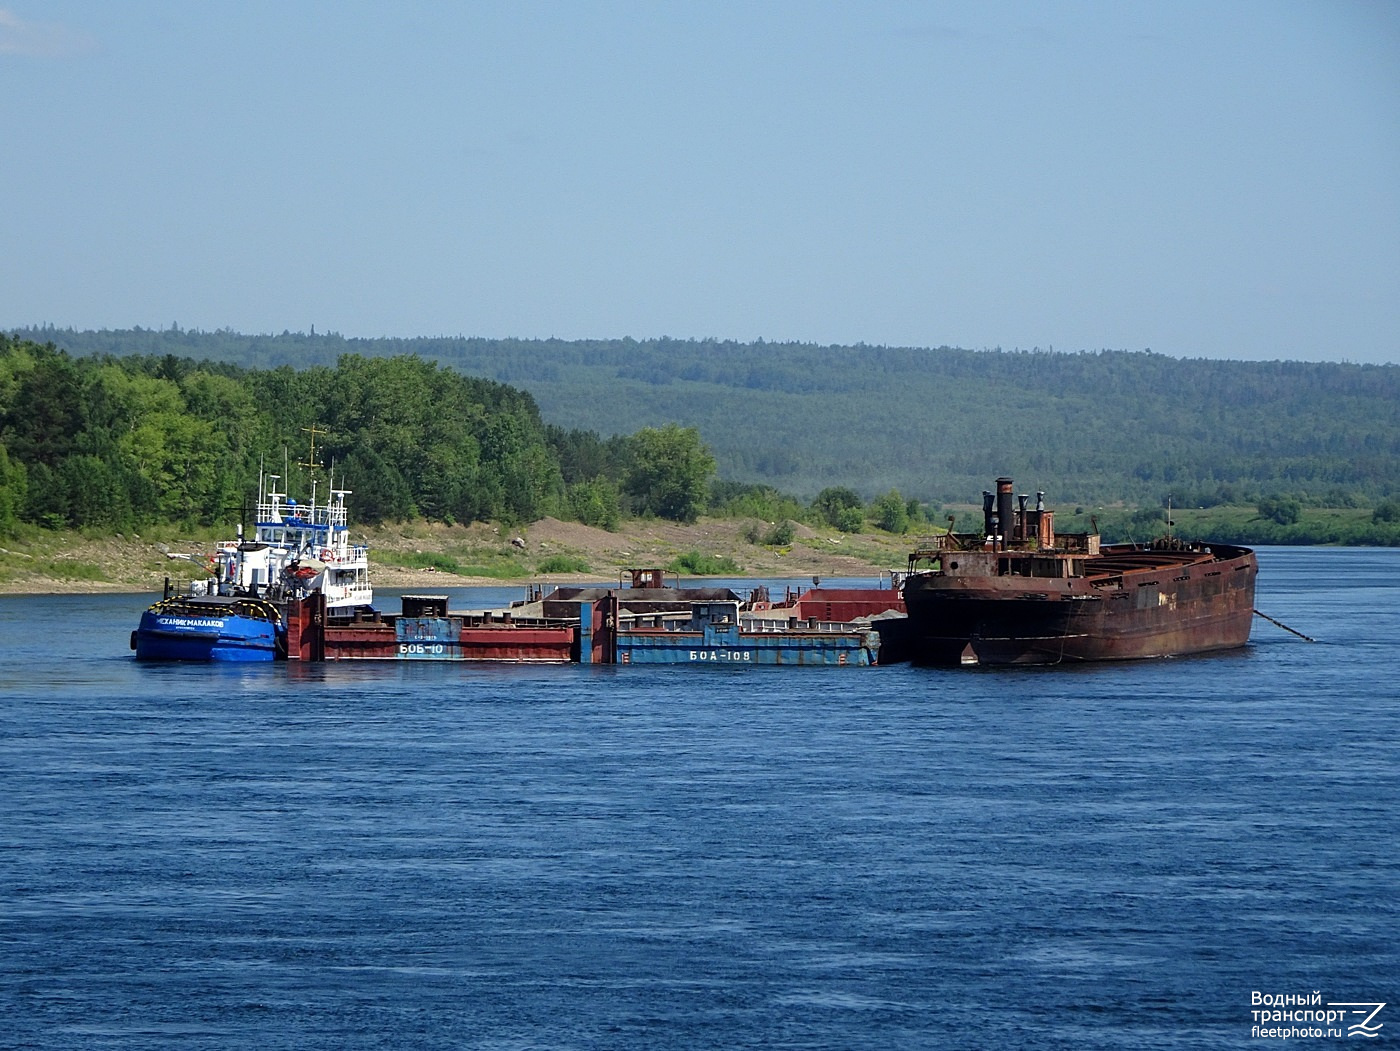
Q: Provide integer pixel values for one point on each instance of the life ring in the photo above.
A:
(326, 554)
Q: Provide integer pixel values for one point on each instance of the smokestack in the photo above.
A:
(1006, 505)
(1021, 517)
(988, 511)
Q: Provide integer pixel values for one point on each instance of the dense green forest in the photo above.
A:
(122, 431)
(116, 443)
(936, 424)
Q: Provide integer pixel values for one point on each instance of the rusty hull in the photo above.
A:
(427, 631)
(1021, 594)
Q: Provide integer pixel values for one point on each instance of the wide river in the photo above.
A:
(410, 855)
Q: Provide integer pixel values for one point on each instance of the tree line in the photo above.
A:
(121, 442)
(938, 423)
(116, 442)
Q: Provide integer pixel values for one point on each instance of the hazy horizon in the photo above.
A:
(1199, 180)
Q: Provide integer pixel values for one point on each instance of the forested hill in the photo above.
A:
(938, 424)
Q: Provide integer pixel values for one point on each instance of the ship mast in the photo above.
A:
(311, 463)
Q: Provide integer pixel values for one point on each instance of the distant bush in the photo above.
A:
(1148, 517)
(69, 569)
(1243, 525)
(1386, 512)
(837, 504)
(781, 535)
(595, 502)
(745, 500)
(849, 520)
(497, 571)
(1282, 509)
(891, 513)
(698, 564)
(500, 567)
(435, 561)
(563, 564)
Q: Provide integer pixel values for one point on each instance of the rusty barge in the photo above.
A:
(646, 623)
(426, 630)
(1020, 593)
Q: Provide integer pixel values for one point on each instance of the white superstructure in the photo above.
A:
(297, 549)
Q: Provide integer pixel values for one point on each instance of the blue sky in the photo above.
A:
(1215, 179)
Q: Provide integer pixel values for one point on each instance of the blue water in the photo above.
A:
(448, 856)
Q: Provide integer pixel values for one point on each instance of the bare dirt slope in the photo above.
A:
(58, 562)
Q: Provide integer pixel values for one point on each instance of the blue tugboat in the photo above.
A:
(240, 612)
(211, 628)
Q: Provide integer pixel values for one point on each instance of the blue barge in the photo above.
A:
(712, 633)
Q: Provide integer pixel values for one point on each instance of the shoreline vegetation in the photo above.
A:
(935, 423)
(435, 556)
(432, 555)
(119, 472)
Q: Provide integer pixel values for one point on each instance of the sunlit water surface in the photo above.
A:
(452, 856)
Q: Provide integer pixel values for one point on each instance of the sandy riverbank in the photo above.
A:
(47, 563)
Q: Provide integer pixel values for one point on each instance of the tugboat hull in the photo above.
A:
(186, 630)
(238, 613)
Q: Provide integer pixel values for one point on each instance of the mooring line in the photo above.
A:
(1284, 626)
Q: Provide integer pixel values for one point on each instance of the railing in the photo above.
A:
(310, 514)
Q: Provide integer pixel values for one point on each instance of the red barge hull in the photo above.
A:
(426, 631)
(595, 626)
